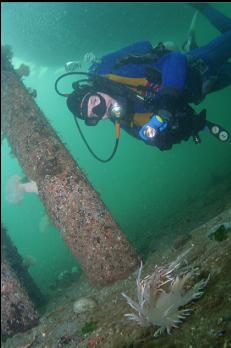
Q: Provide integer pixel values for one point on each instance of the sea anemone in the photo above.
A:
(162, 294)
(23, 70)
(29, 261)
(15, 189)
(84, 304)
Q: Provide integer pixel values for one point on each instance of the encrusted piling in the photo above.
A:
(74, 206)
(15, 261)
(17, 311)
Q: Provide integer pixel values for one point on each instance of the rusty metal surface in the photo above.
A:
(74, 206)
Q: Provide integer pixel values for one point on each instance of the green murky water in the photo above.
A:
(142, 187)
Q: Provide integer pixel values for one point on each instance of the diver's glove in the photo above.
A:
(168, 102)
(167, 116)
(155, 126)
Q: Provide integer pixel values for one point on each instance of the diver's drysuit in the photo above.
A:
(170, 81)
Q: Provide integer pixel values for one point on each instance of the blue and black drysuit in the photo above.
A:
(215, 55)
(173, 80)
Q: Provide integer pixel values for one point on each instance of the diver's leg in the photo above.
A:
(215, 53)
(215, 66)
(223, 78)
(215, 17)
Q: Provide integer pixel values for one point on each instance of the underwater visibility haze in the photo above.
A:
(155, 196)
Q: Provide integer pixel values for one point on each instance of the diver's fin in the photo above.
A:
(199, 6)
(217, 131)
(190, 42)
(193, 22)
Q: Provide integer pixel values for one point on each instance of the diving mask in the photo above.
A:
(115, 112)
(98, 111)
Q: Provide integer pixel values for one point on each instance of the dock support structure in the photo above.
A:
(71, 202)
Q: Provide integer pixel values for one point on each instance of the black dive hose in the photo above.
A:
(77, 124)
(67, 74)
(91, 151)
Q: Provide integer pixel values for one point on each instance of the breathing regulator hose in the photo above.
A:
(117, 124)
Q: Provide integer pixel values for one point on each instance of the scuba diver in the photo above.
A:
(147, 90)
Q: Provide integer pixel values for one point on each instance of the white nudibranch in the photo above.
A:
(162, 294)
